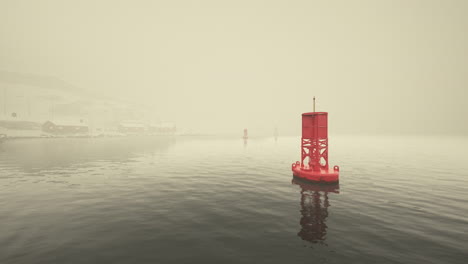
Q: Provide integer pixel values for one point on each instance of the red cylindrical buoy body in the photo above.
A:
(314, 150)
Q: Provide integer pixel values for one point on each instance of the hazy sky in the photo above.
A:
(375, 66)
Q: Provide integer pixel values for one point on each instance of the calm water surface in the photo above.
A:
(218, 200)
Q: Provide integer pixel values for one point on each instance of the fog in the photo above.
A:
(217, 67)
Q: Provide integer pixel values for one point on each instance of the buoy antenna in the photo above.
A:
(314, 103)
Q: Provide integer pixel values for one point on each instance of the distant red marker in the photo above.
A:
(314, 150)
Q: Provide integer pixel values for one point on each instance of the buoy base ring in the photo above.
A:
(320, 176)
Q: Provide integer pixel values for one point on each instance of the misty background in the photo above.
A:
(384, 67)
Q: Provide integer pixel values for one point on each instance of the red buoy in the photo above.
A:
(314, 150)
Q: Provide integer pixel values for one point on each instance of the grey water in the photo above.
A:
(401, 199)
